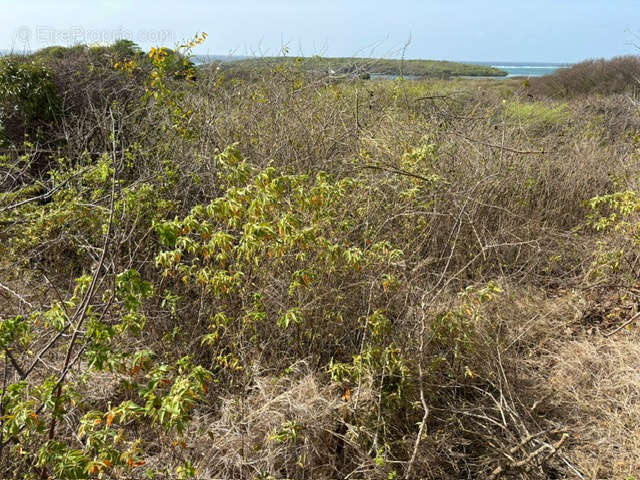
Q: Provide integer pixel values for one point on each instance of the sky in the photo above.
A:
(460, 30)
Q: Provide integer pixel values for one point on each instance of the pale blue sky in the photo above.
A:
(491, 30)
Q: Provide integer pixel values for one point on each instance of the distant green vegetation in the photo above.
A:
(373, 66)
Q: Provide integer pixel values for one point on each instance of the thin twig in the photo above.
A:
(628, 322)
(17, 295)
(500, 147)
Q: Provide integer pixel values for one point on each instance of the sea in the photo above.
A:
(525, 69)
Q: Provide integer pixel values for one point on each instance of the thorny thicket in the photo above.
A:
(288, 276)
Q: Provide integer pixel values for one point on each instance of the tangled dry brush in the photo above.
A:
(283, 275)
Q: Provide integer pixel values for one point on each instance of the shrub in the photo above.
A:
(617, 75)
(28, 99)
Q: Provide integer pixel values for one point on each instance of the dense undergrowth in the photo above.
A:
(285, 276)
(604, 77)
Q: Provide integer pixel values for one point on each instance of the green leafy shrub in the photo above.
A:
(616, 217)
(28, 99)
(263, 250)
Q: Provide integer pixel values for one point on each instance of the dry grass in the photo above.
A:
(595, 383)
(580, 379)
(283, 426)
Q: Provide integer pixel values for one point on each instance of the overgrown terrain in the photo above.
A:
(288, 276)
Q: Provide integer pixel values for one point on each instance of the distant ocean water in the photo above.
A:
(204, 59)
(525, 69)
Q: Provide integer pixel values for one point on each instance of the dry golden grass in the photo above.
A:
(584, 379)
(595, 383)
(286, 425)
